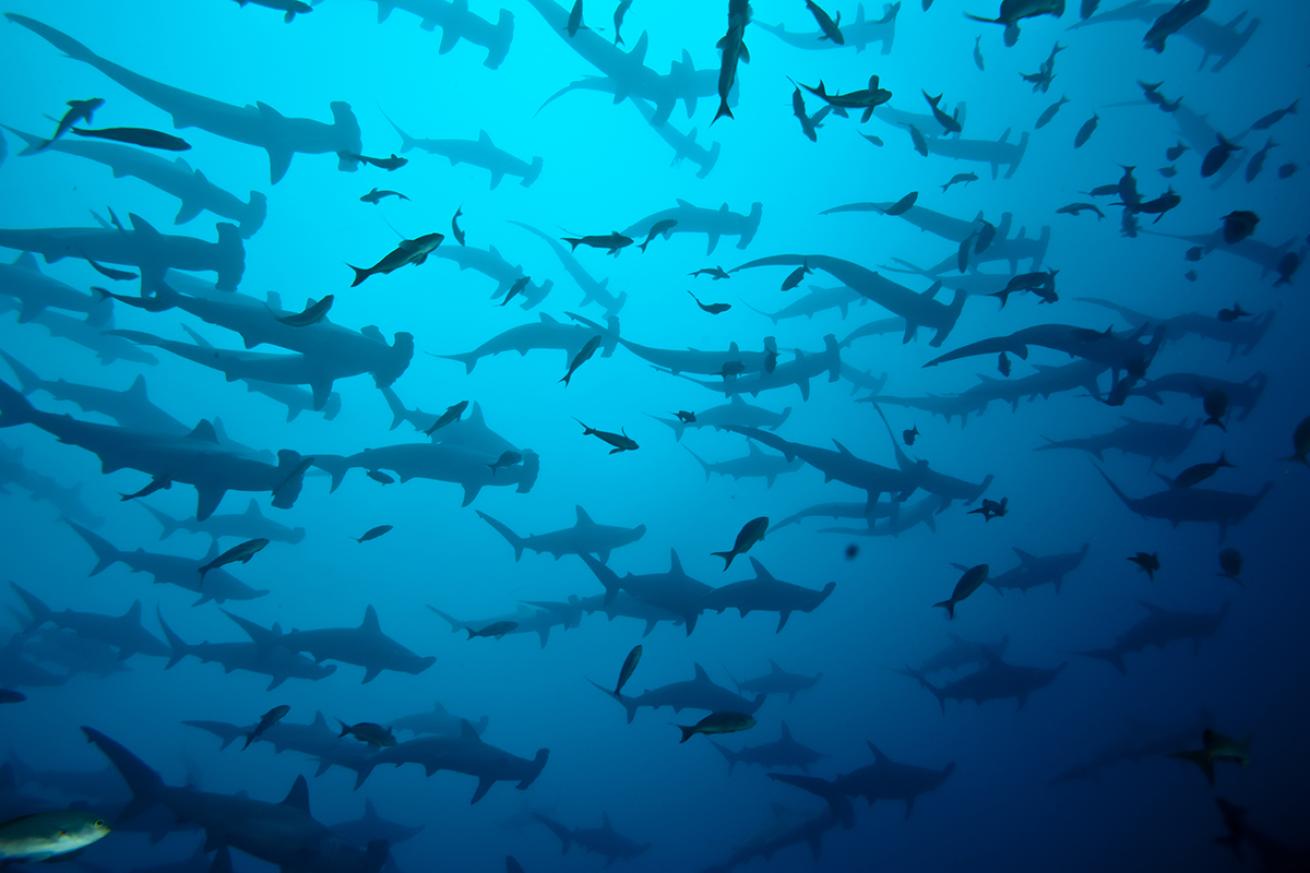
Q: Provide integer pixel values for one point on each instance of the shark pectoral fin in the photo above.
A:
(207, 500)
(370, 674)
(484, 785)
(449, 38)
(279, 161)
(187, 211)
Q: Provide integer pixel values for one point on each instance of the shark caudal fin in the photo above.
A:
(510, 537)
(144, 783)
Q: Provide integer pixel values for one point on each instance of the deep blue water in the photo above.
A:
(603, 168)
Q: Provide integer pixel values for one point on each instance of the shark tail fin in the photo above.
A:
(105, 552)
(510, 537)
(144, 783)
(923, 680)
(14, 407)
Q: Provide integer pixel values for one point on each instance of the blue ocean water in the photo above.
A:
(1072, 769)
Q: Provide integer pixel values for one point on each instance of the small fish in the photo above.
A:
(1268, 121)
(1174, 152)
(873, 140)
(920, 144)
(1077, 209)
(369, 733)
(902, 206)
(612, 242)
(831, 29)
(978, 60)
(1257, 163)
(312, 314)
(495, 630)
(718, 723)
(796, 276)
(620, 441)
(1239, 225)
(968, 583)
(715, 273)
(1003, 364)
(685, 417)
(519, 284)
(377, 195)
(78, 110)
(450, 416)
(8, 696)
(1218, 156)
(374, 532)
(49, 836)
(732, 368)
(852, 551)
(1049, 113)
(1191, 275)
(1085, 132)
(1230, 564)
(144, 137)
(1194, 254)
(949, 123)
(455, 230)
(1198, 473)
(409, 251)
(390, 164)
(240, 553)
(159, 483)
(1169, 172)
(111, 273)
(584, 354)
(992, 508)
(1149, 562)
(659, 228)
(909, 436)
(958, 179)
(1216, 748)
(508, 458)
(380, 477)
(629, 666)
(751, 533)
(1228, 315)
(266, 721)
(620, 11)
(711, 308)
(1287, 171)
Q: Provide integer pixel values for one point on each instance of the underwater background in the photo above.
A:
(1016, 798)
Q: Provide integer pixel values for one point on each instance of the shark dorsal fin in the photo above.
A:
(370, 622)
(786, 731)
(466, 730)
(252, 511)
(298, 796)
(700, 673)
(1025, 557)
(369, 811)
(675, 563)
(319, 720)
(138, 386)
(761, 574)
(134, 613)
(875, 751)
(204, 430)
(140, 225)
(773, 666)
(584, 520)
(841, 448)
